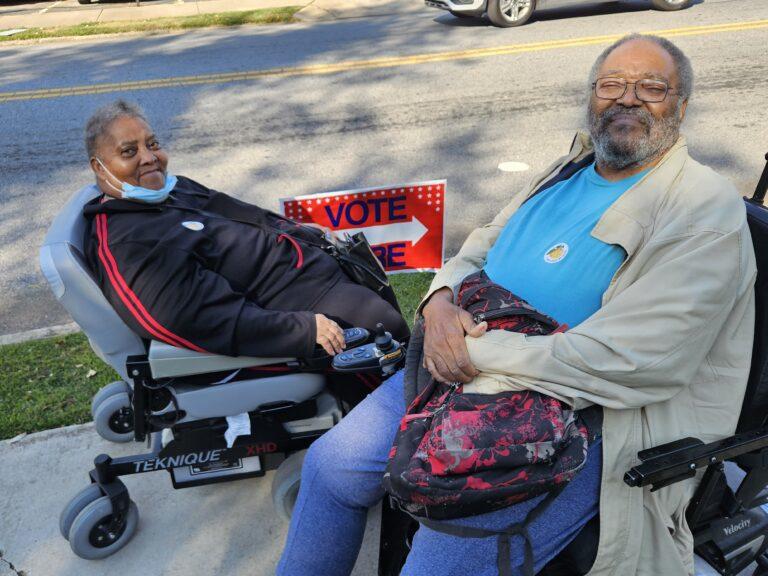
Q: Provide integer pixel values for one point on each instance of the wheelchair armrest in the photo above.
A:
(676, 461)
(168, 361)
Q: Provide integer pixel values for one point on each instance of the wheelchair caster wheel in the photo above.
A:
(114, 418)
(87, 495)
(285, 484)
(107, 391)
(94, 533)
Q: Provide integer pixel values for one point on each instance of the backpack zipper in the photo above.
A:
(512, 311)
(443, 403)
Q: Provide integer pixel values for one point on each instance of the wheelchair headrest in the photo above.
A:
(64, 266)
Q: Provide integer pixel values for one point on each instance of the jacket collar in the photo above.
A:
(117, 206)
(628, 219)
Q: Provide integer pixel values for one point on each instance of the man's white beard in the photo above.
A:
(625, 152)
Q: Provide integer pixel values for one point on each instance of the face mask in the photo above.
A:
(147, 195)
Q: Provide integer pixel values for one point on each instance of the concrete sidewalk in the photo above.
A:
(313, 10)
(222, 529)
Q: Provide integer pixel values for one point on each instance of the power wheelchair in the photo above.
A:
(729, 511)
(182, 403)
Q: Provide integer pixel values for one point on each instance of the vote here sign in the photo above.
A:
(404, 224)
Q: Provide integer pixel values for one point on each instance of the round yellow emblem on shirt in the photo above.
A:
(556, 253)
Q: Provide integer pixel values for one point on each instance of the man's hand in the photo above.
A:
(329, 335)
(445, 352)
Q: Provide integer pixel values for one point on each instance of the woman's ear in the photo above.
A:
(97, 168)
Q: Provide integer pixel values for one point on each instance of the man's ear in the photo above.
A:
(683, 108)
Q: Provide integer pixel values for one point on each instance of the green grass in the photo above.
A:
(264, 16)
(49, 383)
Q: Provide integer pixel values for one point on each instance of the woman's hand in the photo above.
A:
(329, 335)
(445, 352)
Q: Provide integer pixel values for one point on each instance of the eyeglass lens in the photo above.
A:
(646, 90)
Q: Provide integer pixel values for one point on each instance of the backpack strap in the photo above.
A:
(504, 555)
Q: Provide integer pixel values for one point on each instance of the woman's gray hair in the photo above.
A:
(682, 63)
(101, 120)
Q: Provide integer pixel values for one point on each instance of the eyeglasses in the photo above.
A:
(646, 90)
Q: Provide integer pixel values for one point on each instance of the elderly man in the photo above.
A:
(646, 255)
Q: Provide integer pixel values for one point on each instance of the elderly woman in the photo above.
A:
(195, 268)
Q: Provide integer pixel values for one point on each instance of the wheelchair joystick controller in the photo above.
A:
(383, 340)
(384, 355)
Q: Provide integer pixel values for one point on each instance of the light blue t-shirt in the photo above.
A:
(546, 253)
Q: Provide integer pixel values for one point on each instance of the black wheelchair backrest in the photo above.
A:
(755, 408)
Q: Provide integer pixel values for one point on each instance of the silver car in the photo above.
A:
(506, 13)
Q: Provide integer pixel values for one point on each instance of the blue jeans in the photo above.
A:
(341, 479)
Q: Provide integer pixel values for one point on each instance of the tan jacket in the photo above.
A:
(667, 355)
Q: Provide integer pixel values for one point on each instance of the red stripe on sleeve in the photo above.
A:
(129, 298)
(300, 261)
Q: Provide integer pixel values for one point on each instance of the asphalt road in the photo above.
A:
(274, 136)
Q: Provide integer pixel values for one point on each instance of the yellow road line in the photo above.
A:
(44, 10)
(364, 64)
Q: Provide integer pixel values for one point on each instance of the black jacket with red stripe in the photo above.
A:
(205, 271)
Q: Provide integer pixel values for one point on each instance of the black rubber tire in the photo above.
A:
(99, 512)
(83, 1)
(75, 506)
(103, 418)
(670, 5)
(286, 483)
(462, 15)
(107, 391)
(498, 18)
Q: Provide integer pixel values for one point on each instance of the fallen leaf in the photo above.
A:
(91, 373)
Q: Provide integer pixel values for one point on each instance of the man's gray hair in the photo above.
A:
(682, 64)
(102, 119)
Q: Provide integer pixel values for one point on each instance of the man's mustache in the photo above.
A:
(644, 117)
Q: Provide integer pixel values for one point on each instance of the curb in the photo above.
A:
(25, 439)
(39, 334)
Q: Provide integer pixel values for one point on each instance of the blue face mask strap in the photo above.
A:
(131, 192)
(112, 175)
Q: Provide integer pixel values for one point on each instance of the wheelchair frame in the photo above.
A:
(195, 444)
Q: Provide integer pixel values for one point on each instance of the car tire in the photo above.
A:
(83, 1)
(508, 13)
(462, 15)
(669, 5)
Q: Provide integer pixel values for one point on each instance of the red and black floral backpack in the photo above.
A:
(458, 454)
